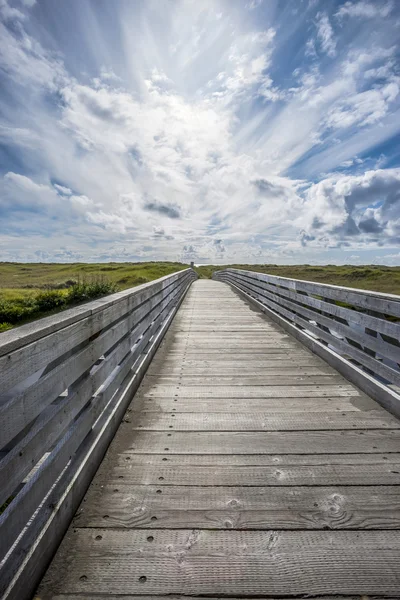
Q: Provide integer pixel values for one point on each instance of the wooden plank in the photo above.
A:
(174, 507)
(292, 442)
(253, 405)
(128, 473)
(239, 563)
(248, 460)
(173, 359)
(264, 421)
(23, 506)
(232, 372)
(178, 597)
(271, 391)
(244, 380)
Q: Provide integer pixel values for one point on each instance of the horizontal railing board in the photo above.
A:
(387, 327)
(25, 334)
(360, 356)
(21, 409)
(276, 303)
(317, 340)
(51, 423)
(26, 360)
(385, 303)
(32, 494)
(68, 426)
(385, 349)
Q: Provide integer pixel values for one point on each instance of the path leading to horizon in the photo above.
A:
(245, 466)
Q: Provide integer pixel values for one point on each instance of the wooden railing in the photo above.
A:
(65, 383)
(355, 330)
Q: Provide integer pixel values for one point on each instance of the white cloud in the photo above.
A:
(363, 108)
(363, 9)
(353, 207)
(177, 142)
(325, 34)
(253, 4)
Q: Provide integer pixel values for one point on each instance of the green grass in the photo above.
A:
(367, 277)
(29, 291)
(32, 290)
(27, 276)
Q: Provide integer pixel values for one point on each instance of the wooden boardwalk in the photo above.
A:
(245, 466)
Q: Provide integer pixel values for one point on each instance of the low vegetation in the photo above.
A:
(29, 291)
(367, 277)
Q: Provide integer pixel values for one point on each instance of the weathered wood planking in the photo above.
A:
(239, 563)
(308, 507)
(254, 405)
(263, 421)
(170, 473)
(273, 442)
(348, 330)
(67, 438)
(240, 450)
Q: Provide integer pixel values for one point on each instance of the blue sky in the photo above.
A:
(256, 131)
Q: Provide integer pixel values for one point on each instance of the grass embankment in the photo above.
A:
(378, 278)
(29, 290)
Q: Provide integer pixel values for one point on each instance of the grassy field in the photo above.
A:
(25, 276)
(32, 290)
(366, 277)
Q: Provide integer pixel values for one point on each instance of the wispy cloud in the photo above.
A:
(364, 9)
(325, 34)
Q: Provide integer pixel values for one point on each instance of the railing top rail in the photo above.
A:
(371, 293)
(25, 334)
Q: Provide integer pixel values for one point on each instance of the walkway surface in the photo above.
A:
(245, 466)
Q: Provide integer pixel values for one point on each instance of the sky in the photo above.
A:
(218, 131)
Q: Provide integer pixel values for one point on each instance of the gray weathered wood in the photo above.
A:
(47, 526)
(233, 435)
(222, 442)
(239, 563)
(180, 473)
(216, 507)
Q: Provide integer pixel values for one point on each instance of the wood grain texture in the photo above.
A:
(263, 421)
(30, 548)
(216, 507)
(254, 405)
(244, 467)
(173, 473)
(240, 563)
(273, 442)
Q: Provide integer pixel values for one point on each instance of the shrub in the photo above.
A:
(5, 326)
(89, 289)
(13, 312)
(49, 300)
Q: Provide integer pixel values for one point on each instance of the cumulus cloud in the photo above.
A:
(347, 206)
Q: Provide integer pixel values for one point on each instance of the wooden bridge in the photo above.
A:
(251, 452)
